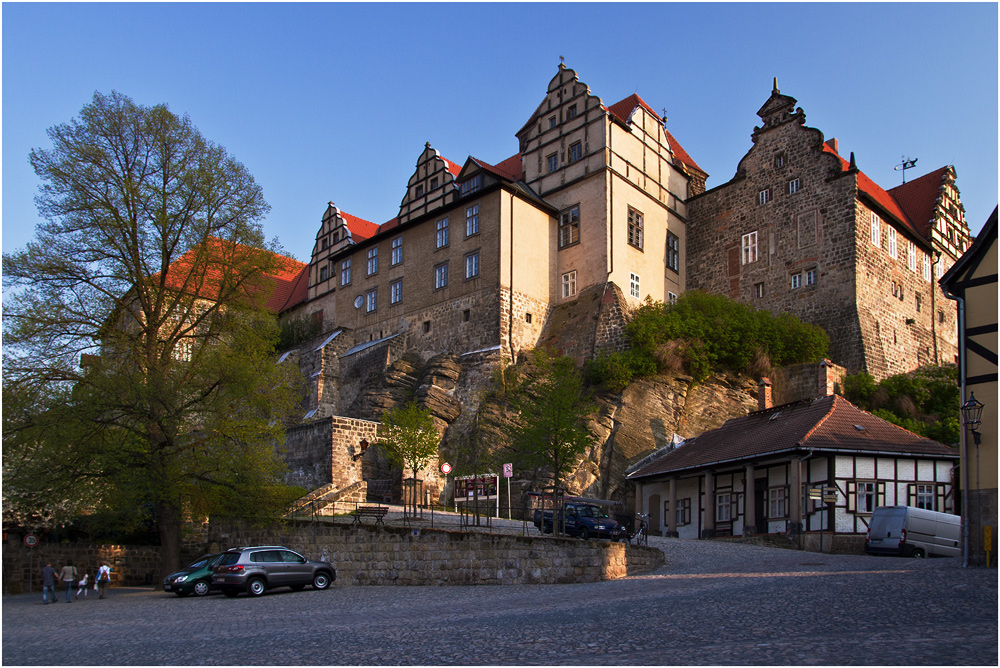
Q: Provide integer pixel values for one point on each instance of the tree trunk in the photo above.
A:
(168, 522)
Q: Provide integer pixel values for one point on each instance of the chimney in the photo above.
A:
(826, 381)
(764, 394)
(834, 144)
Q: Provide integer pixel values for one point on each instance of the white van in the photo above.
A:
(906, 531)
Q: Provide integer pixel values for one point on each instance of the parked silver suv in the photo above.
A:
(262, 567)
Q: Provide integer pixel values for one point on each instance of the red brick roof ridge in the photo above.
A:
(833, 406)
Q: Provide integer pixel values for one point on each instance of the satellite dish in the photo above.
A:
(359, 301)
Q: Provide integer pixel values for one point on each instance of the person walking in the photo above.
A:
(82, 585)
(48, 583)
(103, 578)
(68, 576)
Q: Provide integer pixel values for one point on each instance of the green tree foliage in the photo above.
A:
(548, 430)
(408, 438)
(925, 401)
(703, 334)
(151, 255)
(297, 330)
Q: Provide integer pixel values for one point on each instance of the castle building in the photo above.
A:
(480, 254)
(801, 230)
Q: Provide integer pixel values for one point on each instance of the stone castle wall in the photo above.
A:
(130, 564)
(323, 452)
(419, 556)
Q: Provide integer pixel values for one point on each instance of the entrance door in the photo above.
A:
(760, 504)
(654, 516)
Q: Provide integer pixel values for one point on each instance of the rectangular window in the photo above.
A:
(371, 300)
(750, 247)
(397, 250)
(634, 228)
(442, 233)
(527, 318)
(793, 186)
(671, 298)
(811, 277)
(569, 284)
(440, 276)
(569, 227)
(911, 256)
(758, 290)
(796, 281)
(723, 507)
(472, 265)
(927, 268)
(673, 252)
(683, 515)
(472, 220)
(396, 292)
(345, 272)
(876, 230)
(764, 196)
(925, 496)
(552, 122)
(634, 286)
(777, 503)
(324, 273)
(472, 185)
(572, 111)
(434, 183)
(553, 162)
(575, 152)
(373, 260)
(420, 191)
(917, 297)
(864, 497)
(890, 233)
(779, 160)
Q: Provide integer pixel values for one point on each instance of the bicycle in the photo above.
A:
(638, 531)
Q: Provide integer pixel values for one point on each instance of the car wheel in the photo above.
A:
(584, 534)
(182, 594)
(201, 588)
(256, 587)
(231, 593)
(297, 587)
(918, 554)
(321, 581)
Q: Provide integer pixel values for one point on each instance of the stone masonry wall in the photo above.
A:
(399, 556)
(129, 563)
(323, 452)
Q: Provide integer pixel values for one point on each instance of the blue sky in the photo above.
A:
(334, 102)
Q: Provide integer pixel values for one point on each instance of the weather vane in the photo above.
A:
(905, 165)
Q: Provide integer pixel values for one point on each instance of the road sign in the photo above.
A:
(31, 540)
(815, 492)
(508, 470)
(829, 498)
(446, 468)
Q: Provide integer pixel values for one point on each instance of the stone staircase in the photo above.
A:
(328, 500)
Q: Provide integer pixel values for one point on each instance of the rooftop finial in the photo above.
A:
(562, 62)
(775, 91)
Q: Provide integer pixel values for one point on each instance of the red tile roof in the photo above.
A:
(623, 110)
(919, 198)
(824, 424)
(289, 293)
(875, 191)
(453, 168)
(360, 228)
(509, 169)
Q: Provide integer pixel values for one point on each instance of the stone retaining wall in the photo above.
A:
(399, 556)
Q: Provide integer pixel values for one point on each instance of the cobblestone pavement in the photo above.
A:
(714, 603)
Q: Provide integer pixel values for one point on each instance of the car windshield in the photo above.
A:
(201, 562)
(591, 511)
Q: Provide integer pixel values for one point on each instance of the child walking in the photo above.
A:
(82, 585)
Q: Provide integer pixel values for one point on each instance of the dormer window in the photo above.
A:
(472, 185)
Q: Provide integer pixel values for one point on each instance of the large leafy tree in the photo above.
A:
(408, 438)
(153, 269)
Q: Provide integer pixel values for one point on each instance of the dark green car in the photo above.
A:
(195, 579)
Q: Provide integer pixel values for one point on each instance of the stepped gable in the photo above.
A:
(624, 109)
(829, 423)
(919, 198)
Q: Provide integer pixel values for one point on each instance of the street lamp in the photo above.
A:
(972, 411)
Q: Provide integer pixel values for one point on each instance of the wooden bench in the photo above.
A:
(378, 512)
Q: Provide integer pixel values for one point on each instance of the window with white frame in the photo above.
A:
(911, 256)
(442, 233)
(396, 256)
(553, 162)
(758, 290)
(373, 260)
(671, 298)
(777, 503)
(890, 234)
(796, 281)
(396, 292)
(793, 186)
(634, 228)
(764, 196)
(673, 252)
(683, 512)
(723, 507)
(750, 247)
(345, 272)
(569, 227)
(864, 497)
(810, 277)
(927, 268)
(472, 265)
(876, 233)
(472, 185)
(634, 286)
(569, 284)
(472, 220)
(926, 495)
(371, 300)
(440, 276)
(779, 160)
